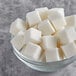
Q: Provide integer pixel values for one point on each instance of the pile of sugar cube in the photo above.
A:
(46, 35)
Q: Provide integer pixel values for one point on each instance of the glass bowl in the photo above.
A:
(44, 66)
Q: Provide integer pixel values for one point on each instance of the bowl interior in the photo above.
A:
(67, 60)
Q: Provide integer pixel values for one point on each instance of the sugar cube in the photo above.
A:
(71, 21)
(46, 27)
(18, 41)
(17, 26)
(32, 51)
(69, 49)
(60, 10)
(57, 19)
(33, 35)
(33, 18)
(67, 35)
(43, 12)
(52, 55)
(49, 42)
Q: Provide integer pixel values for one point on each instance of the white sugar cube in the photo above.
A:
(67, 35)
(18, 41)
(32, 51)
(71, 21)
(43, 12)
(33, 35)
(57, 19)
(46, 27)
(49, 42)
(60, 10)
(52, 55)
(69, 49)
(33, 18)
(17, 26)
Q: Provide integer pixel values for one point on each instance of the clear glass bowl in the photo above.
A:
(44, 66)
